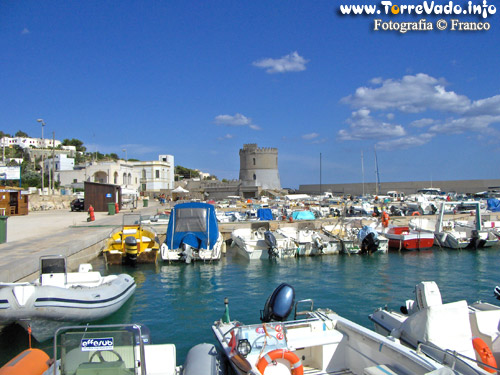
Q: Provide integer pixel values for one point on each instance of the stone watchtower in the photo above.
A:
(259, 167)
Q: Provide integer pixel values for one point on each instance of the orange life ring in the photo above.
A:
(484, 353)
(385, 219)
(295, 362)
(415, 213)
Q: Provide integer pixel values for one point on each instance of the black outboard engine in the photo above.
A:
(131, 250)
(279, 305)
(272, 244)
(376, 212)
(369, 244)
(476, 242)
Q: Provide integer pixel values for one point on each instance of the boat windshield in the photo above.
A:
(191, 220)
(111, 351)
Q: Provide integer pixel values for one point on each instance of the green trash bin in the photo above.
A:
(145, 202)
(111, 209)
(3, 229)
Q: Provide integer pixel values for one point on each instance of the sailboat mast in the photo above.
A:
(363, 172)
(377, 177)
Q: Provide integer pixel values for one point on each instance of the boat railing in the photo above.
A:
(303, 312)
(453, 359)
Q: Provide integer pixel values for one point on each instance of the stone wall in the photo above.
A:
(49, 202)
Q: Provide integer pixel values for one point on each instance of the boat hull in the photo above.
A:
(37, 305)
(411, 241)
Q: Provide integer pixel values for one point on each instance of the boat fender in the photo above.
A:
(484, 352)
(29, 361)
(295, 363)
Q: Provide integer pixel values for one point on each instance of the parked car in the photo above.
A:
(77, 204)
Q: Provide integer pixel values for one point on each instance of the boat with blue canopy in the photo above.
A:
(192, 234)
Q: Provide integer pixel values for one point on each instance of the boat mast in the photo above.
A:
(363, 172)
(377, 177)
(320, 174)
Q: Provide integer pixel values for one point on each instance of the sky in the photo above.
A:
(199, 79)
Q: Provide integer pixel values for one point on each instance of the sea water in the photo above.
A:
(179, 302)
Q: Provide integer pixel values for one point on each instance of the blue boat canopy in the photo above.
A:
(264, 214)
(303, 215)
(493, 205)
(194, 224)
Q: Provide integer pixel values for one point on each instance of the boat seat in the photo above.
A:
(83, 277)
(485, 324)
(130, 231)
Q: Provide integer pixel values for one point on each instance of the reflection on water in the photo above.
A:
(179, 302)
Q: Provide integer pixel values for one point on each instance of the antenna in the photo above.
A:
(363, 172)
(377, 177)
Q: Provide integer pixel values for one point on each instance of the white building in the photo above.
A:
(148, 176)
(61, 162)
(27, 142)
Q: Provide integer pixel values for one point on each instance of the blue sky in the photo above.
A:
(198, 79)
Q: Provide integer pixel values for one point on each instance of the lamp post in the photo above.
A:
(125, 151)
(43, 166)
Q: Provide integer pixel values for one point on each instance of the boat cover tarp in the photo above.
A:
(365, 231)
(264, 214)
(194, 224)
(493, 205)
(303, 215)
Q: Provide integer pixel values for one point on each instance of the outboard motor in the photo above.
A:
(187, 253)
(376, 212)
(279, 305)
(370, 243)
(476, 242)
(131, 250)
(272, 245)
(318, 242)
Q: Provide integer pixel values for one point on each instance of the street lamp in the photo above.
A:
(125, 151)
(43, 164)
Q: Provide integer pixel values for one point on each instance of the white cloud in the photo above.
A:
(237, 120)
(364, 126)
(25, 31)
(411, 94)
(292, 62)
(405, 142)
(310, 136)
(422, 123)
(446, 111)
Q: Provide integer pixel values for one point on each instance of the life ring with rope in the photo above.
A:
(415, 213)
(295, 363)
(484, 352)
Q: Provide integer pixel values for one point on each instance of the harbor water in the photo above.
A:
(179, 302)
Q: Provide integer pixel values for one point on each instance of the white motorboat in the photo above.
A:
(126, 349)
(457, 234)
(192, 234)
(59, 297)
(319, 343)
(451, 326)
(258, 242)
(357, 238)
(309, 242)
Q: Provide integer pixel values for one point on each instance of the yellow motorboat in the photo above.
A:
(132, 243)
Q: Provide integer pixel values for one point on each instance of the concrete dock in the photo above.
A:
(58, 232)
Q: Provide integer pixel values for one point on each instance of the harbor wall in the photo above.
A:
(408, 187)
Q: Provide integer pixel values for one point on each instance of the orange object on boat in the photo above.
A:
(28, 362)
